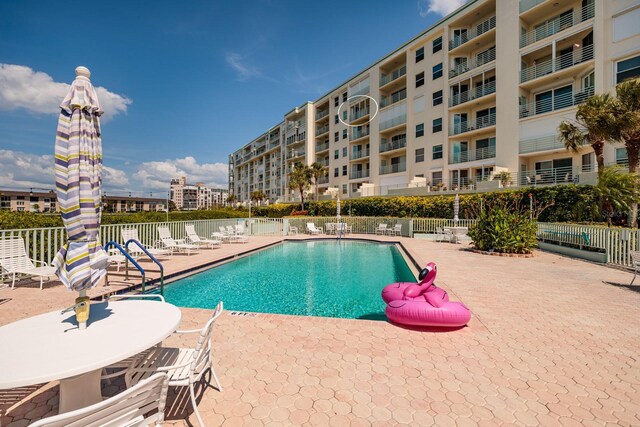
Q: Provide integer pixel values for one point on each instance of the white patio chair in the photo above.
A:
(229, 235)
(312, 229)
(293, 230)
(185, 366)
(14, 260)
(135, 251)
(395, 231)
(330, 228)
(240, 230)
(382, 229)
(439, 234)
(635, 263)
(193, 237)
(172, 244)
(448, 235)
(128, 408)
(116, 257)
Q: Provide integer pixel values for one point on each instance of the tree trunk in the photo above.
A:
(302, 198)
(316, 180)
(598, 150)
(633, 147)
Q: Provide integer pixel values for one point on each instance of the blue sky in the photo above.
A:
(178, 77)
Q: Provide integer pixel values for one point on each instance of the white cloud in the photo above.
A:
(157, 175)
(243, 71)
(23, 88)
(439, 7)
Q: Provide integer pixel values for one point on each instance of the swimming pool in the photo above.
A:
(326, 278)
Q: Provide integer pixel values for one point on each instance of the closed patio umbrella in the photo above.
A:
(456, 209)
(338, 207)
(81, 263)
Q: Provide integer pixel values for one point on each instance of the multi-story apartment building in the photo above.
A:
(479, 93)
(199, 196)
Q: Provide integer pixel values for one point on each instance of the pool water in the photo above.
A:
(317, 278)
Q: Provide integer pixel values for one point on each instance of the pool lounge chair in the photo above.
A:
(135, 251)
(234, 237)
(185, 366)
(174, 245)
(312, 229)
(395, 231)
(193, 237)
(382, 229)
(14, 260)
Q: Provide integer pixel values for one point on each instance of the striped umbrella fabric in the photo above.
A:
(338, 206)
(456, 209)
(81, 263)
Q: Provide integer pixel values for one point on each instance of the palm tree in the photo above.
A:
(232, 198)
(595, 121)
(318, 171)
(616, 190)
(258, 196)
(300, 180)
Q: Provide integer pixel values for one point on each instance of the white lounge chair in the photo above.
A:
(312, 229)
(185, 366)
(382, 229)
(330, 228)
(635, 263)
(439, 234)
(293, 230)
(116, 257)
(173, 244)
(135, 251)
(234, 237)
(14, 260)
(128, 408)
(193, 237)
(395, 231)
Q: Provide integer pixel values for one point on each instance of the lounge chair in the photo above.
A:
(382, 229)
(174, 245)
(234, 237)
(128, 408)
(635, 263)
(330, 228)
(293, 230)
(395, 231)
(439, 234)
(193, 237)
(14, 260)
(185, 366)
(135, 251)
(312, 229)
(116, 257)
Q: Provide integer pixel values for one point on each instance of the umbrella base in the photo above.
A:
(80, 391)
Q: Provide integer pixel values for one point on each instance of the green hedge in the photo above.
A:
(12, 220)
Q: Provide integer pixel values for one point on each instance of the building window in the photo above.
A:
(419, 54)
(336, 101)
(344, 97)
(336, 136)
(344, 151)
(437, 152)
(344, 133)
(627, 69)
(419, 79)
(437, 98)
(437, 125)
(344, 188)
(436, 177)
(437, 71)
(344, 116)
(336, 119)
(437, 44)
(420, 155)
(419, 130)
(621, 156)
(336, 154)
(336, 172)
(344, 170)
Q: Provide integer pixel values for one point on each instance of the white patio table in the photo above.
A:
(50, 346)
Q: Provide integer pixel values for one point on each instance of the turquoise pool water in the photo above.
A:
(319, 278)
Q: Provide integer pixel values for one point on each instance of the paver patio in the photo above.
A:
(550, 343)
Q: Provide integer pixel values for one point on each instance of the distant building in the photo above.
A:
(198, 196)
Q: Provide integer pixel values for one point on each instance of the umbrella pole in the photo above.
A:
(82, 309)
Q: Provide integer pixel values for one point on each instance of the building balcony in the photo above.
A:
(562, 62)
(470, 125)
(393, 168)
(359, 174)
(324, 162)
(393, 122)
(555, 103)
(472, 155)
(359, 154)
(470, 95)
(355, 95)
(322, 147)
(385, 79)
(322, 114)
(293, 140)
(358, 133)
(359, 114)
(537, 145)
(323, 180)
(480, 60)
(558, 24)
(322, 130)
(477, 31)
(386, 145)
(293, 154)
(385, 101)
(529, 4)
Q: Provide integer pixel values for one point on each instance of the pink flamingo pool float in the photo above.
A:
(423, 303)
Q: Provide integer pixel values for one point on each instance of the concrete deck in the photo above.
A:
(552, 341)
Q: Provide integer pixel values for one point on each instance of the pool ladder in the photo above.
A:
(129, 258)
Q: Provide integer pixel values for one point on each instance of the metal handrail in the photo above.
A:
(476, 31)
(359, 154)
(569, 59)
(558, 24)
(555, 103)
(392, 99)
(393, 168)
(151, 257)
(129, 258)
(469, 95)
(386, 145)
(359, 132)
(480, 60)
(322, 130)
(480, 123)
(388, 78)
(472, 155)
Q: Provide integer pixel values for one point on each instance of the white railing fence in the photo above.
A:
(359, 225)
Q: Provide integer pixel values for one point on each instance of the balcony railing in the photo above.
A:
(476, 31)
(323, 129)
(559, 24)
(361, 91)
(549, 66)
(385, 101)
(528, 4)
(323, 180)
(393, 168)
(393, 122)
(359, 114)
(466, 126)
(544, 143)
(386, 145)
(359, 154)
(472, 94)
(478, 61)
(293, 140)
(357, 174)
(472, 155)
(357, 133)
(388, 78)
(322, 147)
(295, 153)
(555, 103)
(322, 114)
(324, 162)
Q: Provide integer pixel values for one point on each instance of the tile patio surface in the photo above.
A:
(552, 341)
